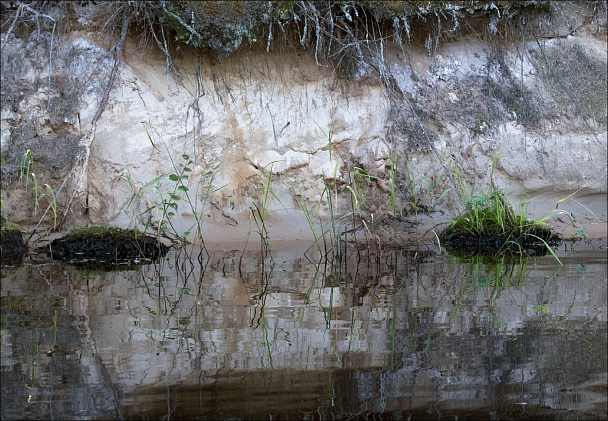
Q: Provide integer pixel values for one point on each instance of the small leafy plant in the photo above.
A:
(29, 180)
(259, 210)
(162, 209)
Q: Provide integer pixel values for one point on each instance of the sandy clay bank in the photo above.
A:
(140, 118)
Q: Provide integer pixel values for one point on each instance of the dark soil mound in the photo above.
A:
(515, 242)
(106, 246)
(12, 247)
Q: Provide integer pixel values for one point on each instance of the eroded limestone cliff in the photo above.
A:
(402, 114)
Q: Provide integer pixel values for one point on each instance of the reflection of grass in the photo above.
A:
(260, 209)
(494, 272)
(488, 273)
(4, 328)
(163, 298)
(29, 341)
(309, 291)
(394, 356)
(267, 344)
(542, 310)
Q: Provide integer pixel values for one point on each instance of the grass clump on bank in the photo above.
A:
(489, 225)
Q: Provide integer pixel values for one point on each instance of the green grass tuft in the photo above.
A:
(490, 225)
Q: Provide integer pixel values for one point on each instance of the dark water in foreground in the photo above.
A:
(400, 334)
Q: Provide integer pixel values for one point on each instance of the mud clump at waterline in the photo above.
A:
(514, 242)
(105, 246)
(489, 226)
(12, 245)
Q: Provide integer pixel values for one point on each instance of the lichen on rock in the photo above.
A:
(219, 25)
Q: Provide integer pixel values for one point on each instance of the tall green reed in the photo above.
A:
(39, 193)
(259, 208)
(394, 168)
(328, 200)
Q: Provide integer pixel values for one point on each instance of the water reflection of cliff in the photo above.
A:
(388, 331)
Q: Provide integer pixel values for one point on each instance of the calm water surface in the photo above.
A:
(380, 334)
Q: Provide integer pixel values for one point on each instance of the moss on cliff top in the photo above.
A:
(222, 26)
(219, 25)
